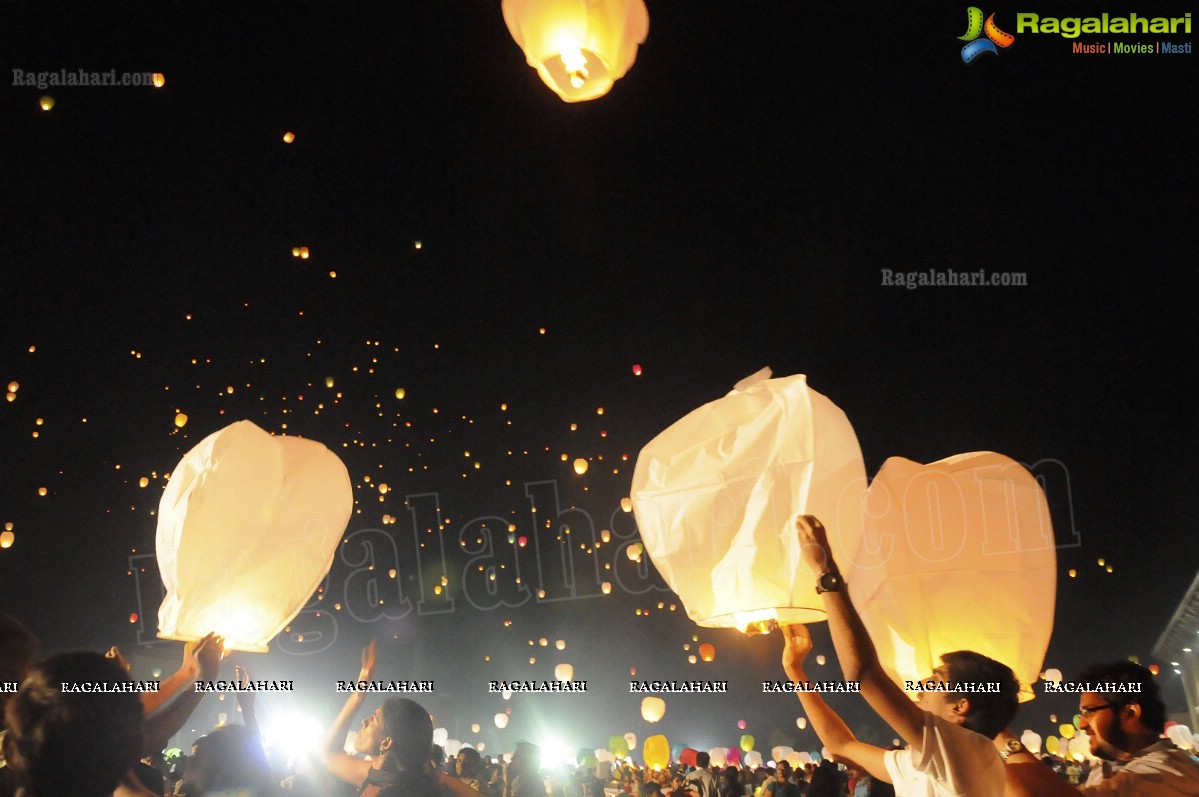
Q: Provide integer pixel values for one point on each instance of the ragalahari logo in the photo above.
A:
(995, 38)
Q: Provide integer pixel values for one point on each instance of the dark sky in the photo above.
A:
(731, 204)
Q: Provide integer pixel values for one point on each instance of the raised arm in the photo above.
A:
(348, 768)
(832, 730)
(167, 721)
(855, 650)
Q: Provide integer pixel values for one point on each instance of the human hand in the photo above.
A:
(114, 653)
(368, 662)
(244, 699)
(208, 653)
(813, 544)
(797, 644)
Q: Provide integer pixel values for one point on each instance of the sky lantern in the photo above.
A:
(289, 137)
(46, 102)
(158, 79)
(741, 725)
(618, 746)
(717, 493)
(580, 466)
(753, 759)
(637, 370)
(801, 722)
(956, 555)
(247, 528)
(564, 672)
(631, 740)
(718, 756)
(7, 538)
(1052, 745)
(578, 47)
(400, 392)
(1032, 741)
(652, 710)
(180, 420)
(501, 720)
(707, 651)
(656, 751)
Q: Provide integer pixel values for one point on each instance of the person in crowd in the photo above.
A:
(780, 785)
(65, 743)
(700, 779)
(467, 765)
(730, 783)
(398, 738)
(523, 776)
(949, 733)
(1124, 728)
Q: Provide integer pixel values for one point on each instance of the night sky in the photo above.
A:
(732, 204)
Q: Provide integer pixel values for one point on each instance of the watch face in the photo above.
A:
(829, 582)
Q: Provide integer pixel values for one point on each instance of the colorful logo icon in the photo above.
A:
(995, 38)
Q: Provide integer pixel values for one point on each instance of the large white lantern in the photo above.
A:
(247, 528)
(579, 47)
(716, 496)
(956, 555)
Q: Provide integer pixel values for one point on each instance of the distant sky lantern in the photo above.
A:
(636, 370)
(578, 47)
(180, 419)
(606, 588)
(247, 528)
(46, 102)
(158, 79)
(13, 387)
(626, 505)
(501, 721)
(707, 651)
(564, 672)
(580, 466)
(133, 617)
(289, 137)
(328, 381)
(652, 710)
(42, 491)
(6, 539)
(560, 644)
(801, 723)
(717, 493)
(143, 482)
(400, 393)
(956, 555)
(820, 660)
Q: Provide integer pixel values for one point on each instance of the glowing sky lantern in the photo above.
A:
(707, 651)
(501, 721)
(400, 392)
(618, 746)
(1032, 741)
(631, 740)
(46, 102)
(636, 370)
(956, 555)
(801, 722)
(578, 47)
(158, 79)
(747, 742)
(656, 752)
(6, 539)
(1053, 675)
(753, 759)
(580, 466)
(440, 736)
(180, 420)
(247, 528)
(289, 137)
(717, 493)
(652, 710)
(564, 672)
(475, 727)
(1052, 745)
(718, 756)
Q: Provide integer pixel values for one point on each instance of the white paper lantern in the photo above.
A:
(719, 756)
(501, 720)
(956, 555)
(247, 529)
(631, 739)
(716, 496)
(653, 709)
(564, 672)
(440, 736)
(578, 47)
(1031, 740)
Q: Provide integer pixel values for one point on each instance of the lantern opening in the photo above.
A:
(759, 621)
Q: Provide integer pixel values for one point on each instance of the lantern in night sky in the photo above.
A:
(717, 493)
(247, 528)
(578, 47)
(956, 555)
(652, 710)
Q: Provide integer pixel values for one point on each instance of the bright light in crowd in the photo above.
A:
(555, 752)
(295, 733)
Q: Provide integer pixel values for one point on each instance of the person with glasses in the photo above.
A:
(1124, 720)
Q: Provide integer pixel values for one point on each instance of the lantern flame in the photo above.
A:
(758, 621)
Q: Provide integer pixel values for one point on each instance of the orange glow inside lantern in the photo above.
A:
(956, 555)
(580, 49)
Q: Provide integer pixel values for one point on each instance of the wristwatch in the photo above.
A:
(830, 582)
(1009, 747)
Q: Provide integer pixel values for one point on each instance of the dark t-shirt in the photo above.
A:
(776, 789)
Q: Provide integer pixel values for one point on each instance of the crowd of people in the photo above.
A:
(56, 741)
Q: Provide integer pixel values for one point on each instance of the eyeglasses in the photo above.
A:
(1089, 710)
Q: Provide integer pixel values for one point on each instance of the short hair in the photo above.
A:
(702, 759)
(411, 730)
(74, 743)
(228, 759)
(1153, 710)
(990, 712)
